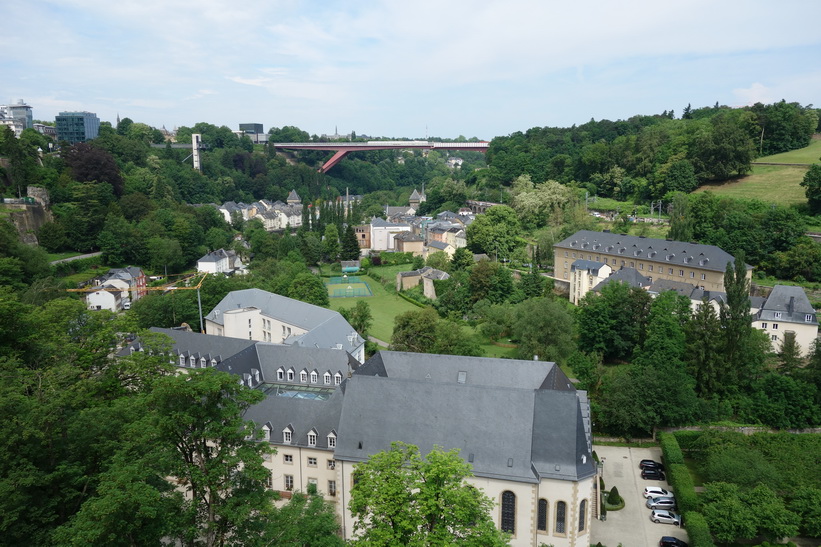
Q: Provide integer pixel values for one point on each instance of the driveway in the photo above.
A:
(630, 526)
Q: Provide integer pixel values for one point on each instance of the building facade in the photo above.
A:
(700, 265)
(788, 310)
(74, 127)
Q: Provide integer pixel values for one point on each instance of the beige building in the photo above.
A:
(520, 424)
(584, 275)
(408, 242)
(700, 265)
(787, 309)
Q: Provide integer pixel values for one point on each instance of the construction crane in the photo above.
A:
(168, 287)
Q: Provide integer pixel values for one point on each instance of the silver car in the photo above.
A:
(657, 491)
(665, 517)
(661, 503)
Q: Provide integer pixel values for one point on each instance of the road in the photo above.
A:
(73, 258)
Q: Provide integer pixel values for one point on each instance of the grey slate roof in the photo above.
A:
(788, 303)
(661, 285)
(415, 195)
(293, 196)
(707, 257)
(589, 265)
(326, 328)
(441, 245)
(189, 343)
(377, 222)
(631, 276)
(268, 358)
(407, 237)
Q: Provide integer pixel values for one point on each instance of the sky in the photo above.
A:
(415, 69)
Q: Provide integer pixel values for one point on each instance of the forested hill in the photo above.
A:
(645, 157)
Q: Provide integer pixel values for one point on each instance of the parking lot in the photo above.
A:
(630, 526)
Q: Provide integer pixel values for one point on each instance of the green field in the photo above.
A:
(779, 184)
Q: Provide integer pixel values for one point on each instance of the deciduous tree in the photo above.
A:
(402, 498)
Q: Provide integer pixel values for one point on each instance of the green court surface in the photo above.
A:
(349, 290)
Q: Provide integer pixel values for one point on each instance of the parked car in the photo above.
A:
(665, 517)
(670, 541)
(652, 474)
(661, 503)
(657, 491)
(645, 464)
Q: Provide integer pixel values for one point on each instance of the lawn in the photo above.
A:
(384, 306)
(768, 183)
(779, 184)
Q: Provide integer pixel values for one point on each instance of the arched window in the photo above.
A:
(582, 515)
(509, 512)
(561, 516)
(541, 519)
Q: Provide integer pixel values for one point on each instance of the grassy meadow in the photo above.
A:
(779, 184)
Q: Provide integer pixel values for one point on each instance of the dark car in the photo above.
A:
(670, 541)
(651, 464)
(652, 474)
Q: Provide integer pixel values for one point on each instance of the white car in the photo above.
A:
(656, 491)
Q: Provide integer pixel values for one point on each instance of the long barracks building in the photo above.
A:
(700, 265)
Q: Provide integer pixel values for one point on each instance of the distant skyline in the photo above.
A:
(404, 69)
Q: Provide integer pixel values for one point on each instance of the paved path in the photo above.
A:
(630, 526)
(378, 341)
(73, 258)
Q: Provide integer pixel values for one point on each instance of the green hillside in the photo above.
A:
(773, 183)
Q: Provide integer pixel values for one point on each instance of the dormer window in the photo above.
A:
(314, 377)
(331, 440)
(778, 315)
(808, 318)
(280, 374)
(291, 375)
(337, 379)
(312, 437)
(182, 360)
(303, 376)
(287, 435)
(193, 361)
(266, 432)
(327, 378)
(202, 362)
(670, 257)
(213, 362)
(255, 372)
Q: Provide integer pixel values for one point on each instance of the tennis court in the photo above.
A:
(349, 288)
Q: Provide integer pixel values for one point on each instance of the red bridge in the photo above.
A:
(343, 148)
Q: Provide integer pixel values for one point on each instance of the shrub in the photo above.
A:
(670, 449)
(697, 529)
(687, 439)
(613, 497)
(679, 477)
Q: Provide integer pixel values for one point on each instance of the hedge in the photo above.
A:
(679, 478)
(392, 259)
(687, 439)
(670, 449)
(698, 531)
(411, 300)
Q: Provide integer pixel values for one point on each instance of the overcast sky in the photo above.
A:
(404, 68)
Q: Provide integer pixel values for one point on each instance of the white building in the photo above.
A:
(254, 314)
(383, 233)
(220, 261)
(787, 309)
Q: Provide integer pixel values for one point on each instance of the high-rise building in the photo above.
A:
(18, 116)
(254, 131)
(74, 127)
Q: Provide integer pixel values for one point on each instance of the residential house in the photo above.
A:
(221, 261)
(363, 235)
(129, 284)
(435, 246)
(425, 275)
(408, 242)
(787, 309)
(533, 459)
(254, 314)
(106, 297)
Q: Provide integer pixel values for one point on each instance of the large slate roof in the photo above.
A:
(268, 358)
(189, 343)
(631, 276)
(791, 303)
(694, 255)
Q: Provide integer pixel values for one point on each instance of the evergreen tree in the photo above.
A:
(789, 355)
(350, 245)
(704, 342)
(736, 323)
(330, 243)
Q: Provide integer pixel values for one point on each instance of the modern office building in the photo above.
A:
(17, 116)
(254, 131)
(74, 127)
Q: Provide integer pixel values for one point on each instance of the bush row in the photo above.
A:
(392, 259)
(698, 531)
(670, 449)
(679, 478)
(687, 439)
(411, 300)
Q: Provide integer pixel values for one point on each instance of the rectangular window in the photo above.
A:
(681, 273)
(777, 315)
(332, 488)
(288, 458)
(775, 326)
(641, 266)
(773, 337)
(311, 462)
(565, 254)
(311, 439)
(331, 464)
(764, 326)
(670, 271)
(692, 275)
(574, 255)
(703, 277)
(269, 481)
(632, 264)
(289, 482)
(650, 267)
(614, 262)
(808, 318)
(286, 436)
